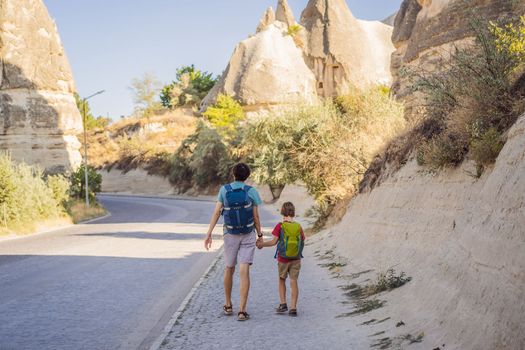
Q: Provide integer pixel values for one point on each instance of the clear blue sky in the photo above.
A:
(110, 42)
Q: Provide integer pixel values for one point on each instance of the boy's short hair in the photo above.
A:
(241, 172)
(288, 209)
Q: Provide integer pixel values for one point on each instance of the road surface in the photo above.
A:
(111, 284)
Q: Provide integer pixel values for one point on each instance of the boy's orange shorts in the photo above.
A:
(291, 268)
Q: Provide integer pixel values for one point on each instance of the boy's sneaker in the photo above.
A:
(292, 312)
(282, 308)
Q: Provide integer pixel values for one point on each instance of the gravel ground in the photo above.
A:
(203, 326)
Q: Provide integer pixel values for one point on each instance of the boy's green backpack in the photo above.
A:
(291, 243)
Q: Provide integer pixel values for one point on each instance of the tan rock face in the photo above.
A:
(461, 239)
(284, 13)
(38, 114)
(266, 70)
(267, 19)
(425, 31)
(343, 51)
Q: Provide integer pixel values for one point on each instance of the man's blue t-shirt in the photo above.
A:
(252, 193)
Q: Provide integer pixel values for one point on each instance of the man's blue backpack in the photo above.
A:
(238, 210)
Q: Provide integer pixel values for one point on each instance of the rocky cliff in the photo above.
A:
(39, 119)
(426, 31)
(461, 239)
(327, 53)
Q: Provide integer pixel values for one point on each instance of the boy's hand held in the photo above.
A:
(207, 242)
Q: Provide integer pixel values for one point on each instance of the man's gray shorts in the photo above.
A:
(239, 248)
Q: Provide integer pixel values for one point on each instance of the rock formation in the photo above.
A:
(425, 31)
(343, 51)
(39, 119)
(266, 70)
(331, 52)
(461, 239)
(284, 13)
(267, 19)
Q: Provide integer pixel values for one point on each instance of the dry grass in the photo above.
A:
(79, 212)
(146, 143)
(21, 229)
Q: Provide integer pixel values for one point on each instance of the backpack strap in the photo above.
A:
(277, 248)
(226, 205)
(246, 190)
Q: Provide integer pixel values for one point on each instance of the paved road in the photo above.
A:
(112, 284)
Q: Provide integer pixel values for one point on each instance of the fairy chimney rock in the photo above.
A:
(265, 71)
(39, 119)
(343, 51)
(267, 19)
(284, 13)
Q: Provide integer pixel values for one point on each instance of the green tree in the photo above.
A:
(189, 87)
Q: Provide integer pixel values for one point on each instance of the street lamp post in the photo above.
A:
(84, 118)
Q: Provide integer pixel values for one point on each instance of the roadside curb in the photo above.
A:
(169, 326)
(178, 198)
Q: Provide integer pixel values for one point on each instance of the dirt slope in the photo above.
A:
(462, 240)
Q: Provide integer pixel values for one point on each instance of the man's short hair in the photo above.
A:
(241, 172)
(288, 209)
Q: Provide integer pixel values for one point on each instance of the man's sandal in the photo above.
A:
(228, 310)
(242, 316)
(282, 308)
(292, 312)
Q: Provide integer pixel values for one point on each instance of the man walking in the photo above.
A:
(238, 203)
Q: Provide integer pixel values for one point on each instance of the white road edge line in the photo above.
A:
(93, 220)
(169, 326)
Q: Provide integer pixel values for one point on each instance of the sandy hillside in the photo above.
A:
(461, 239)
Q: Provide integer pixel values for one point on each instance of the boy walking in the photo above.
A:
(289, 238)
(238, 203)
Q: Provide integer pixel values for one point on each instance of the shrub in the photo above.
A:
(78, 183)
(26, 197)
(443, 150)
(59, 186)
(328, 147)
(486, 148)
(472, 102)
(202, 160)
(293, 30)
